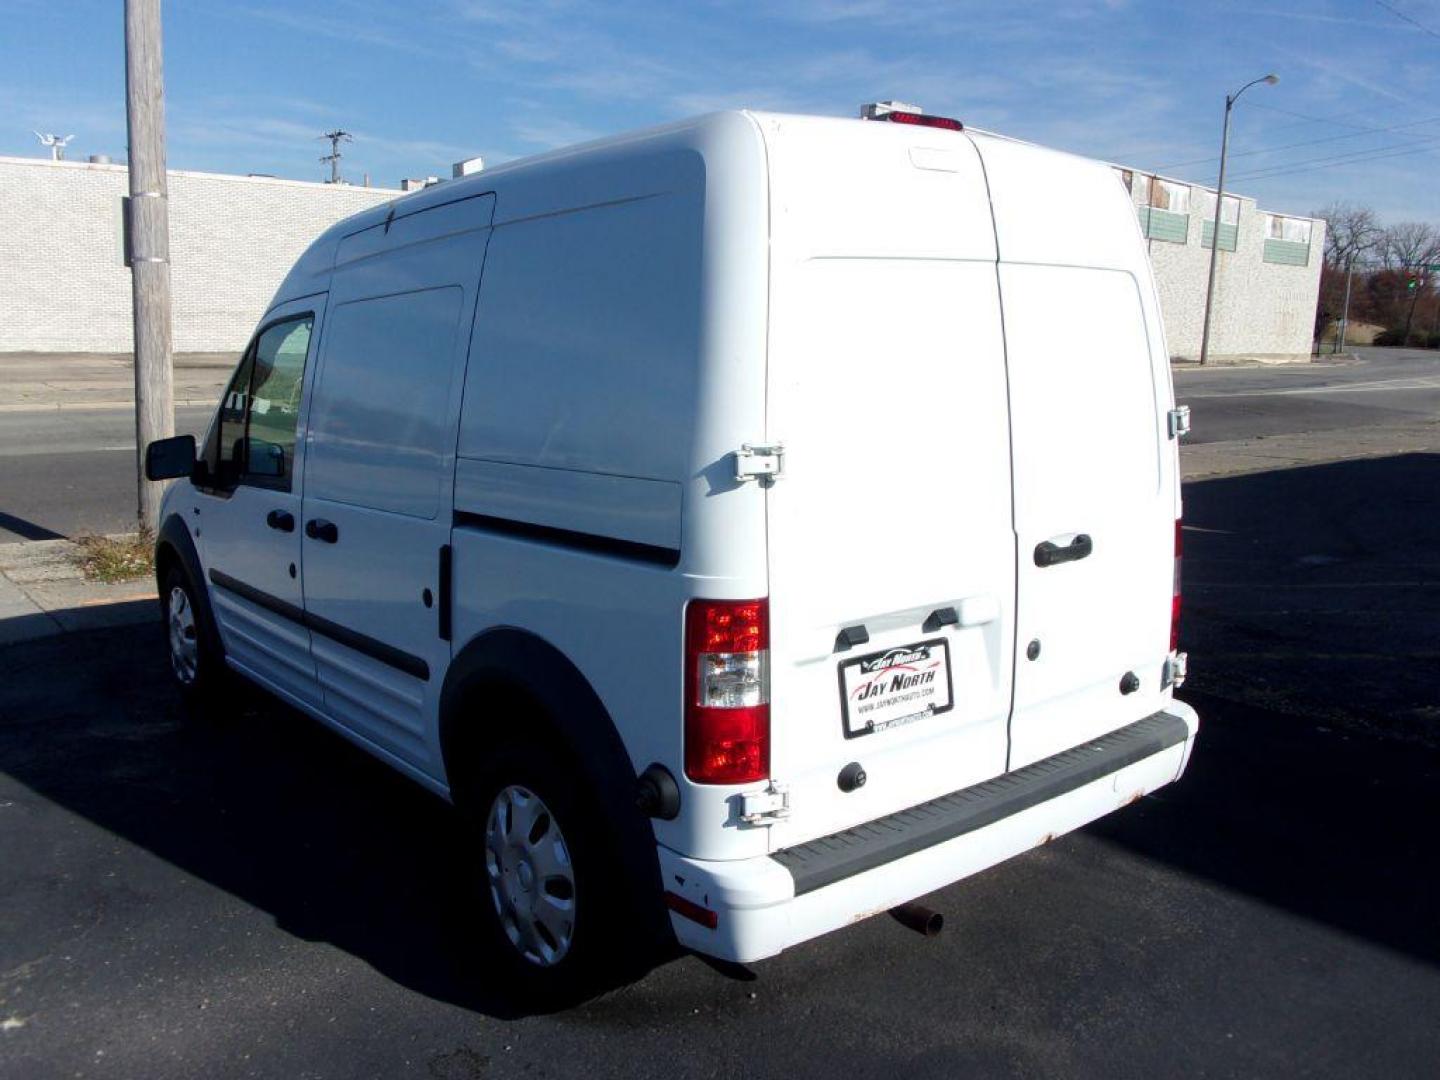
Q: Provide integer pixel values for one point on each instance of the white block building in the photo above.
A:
(1267, 282)
(65, 288)
(232, 238)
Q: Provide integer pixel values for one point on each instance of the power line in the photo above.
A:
(1413, 22)
(1312, 119)
(1306, 142)
(1343, 159)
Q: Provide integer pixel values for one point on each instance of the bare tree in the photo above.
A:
(1411, 245)
(1351, 233)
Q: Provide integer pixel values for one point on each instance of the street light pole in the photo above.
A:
(1230, 100)
(1345, 315)
(149, 242)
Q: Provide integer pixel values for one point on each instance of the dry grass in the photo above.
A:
(117, 558)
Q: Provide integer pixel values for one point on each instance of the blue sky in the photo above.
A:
(421, 84)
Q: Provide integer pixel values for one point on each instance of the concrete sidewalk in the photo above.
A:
(36, 382)
(43, 592)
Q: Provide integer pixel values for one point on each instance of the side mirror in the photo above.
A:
(166, 459)
(263, 458)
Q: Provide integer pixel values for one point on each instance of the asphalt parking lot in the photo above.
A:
(255, 898)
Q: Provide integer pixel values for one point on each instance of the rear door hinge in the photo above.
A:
(765, 463)
(1179, 421)
(765, 807)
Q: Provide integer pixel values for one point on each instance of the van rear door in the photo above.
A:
(1095, 471)
(891, 549)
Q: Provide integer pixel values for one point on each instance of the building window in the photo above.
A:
(1229, 219)
(1287, 240)
(1165, 214)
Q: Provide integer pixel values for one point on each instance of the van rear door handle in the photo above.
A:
(281, 519)
(320, 529)
(1049, 553)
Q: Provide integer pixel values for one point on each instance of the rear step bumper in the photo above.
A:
(769, 903)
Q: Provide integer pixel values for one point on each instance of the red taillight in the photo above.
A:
(727, 691)
(1175, 596)
(921, 120)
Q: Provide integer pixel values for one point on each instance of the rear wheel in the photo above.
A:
(531, 876)
(557, 921)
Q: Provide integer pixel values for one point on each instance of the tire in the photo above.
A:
(196, 660)
(557, 919)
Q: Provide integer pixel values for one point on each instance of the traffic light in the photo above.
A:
(1412, 280)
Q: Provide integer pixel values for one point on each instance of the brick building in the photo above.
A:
(232, 238)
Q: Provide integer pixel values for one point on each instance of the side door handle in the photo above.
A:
(1049, 553)
(281, 519)
(322, 530)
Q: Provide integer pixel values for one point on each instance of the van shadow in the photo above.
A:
(1312, 616)
(264, 804)
(1296, 582)
(1316, 590)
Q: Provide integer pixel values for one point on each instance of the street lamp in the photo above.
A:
(1230, 100)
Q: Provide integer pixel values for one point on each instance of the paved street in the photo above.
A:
(256, 898)
(73, 472)
(1385, 386)
(69, 472)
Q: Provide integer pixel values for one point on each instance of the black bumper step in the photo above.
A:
(844, 854)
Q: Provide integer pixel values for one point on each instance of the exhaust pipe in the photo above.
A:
(919, 918)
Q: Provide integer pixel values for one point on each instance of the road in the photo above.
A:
(66, 473)
(72, 472)
(1384, 386)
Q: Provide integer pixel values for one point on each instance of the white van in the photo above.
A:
(752, 523)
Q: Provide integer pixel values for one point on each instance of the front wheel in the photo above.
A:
(195, 660)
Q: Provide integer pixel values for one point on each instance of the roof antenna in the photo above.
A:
(56, 143)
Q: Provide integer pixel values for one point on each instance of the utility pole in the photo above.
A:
(1419, 287)
(336, 137)
(148, 209)
(1345, 315)
(1230, 100)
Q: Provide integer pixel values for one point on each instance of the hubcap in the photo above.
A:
(532, 881)
(184, 643)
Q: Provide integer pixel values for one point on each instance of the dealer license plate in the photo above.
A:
(898, 686)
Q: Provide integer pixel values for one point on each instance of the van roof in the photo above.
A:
(704, 133)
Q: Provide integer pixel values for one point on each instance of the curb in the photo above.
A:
(98, 406)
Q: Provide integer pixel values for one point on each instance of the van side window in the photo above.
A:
(253, 439)
(273, 410)
(227, 437)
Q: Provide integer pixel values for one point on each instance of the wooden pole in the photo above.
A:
(149, 242)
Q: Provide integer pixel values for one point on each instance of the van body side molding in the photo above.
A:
(833, 858)
(343, 635)
(580, 541)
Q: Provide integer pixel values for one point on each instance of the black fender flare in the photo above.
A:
(176, 537)
(174, 544)
(508, 663)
